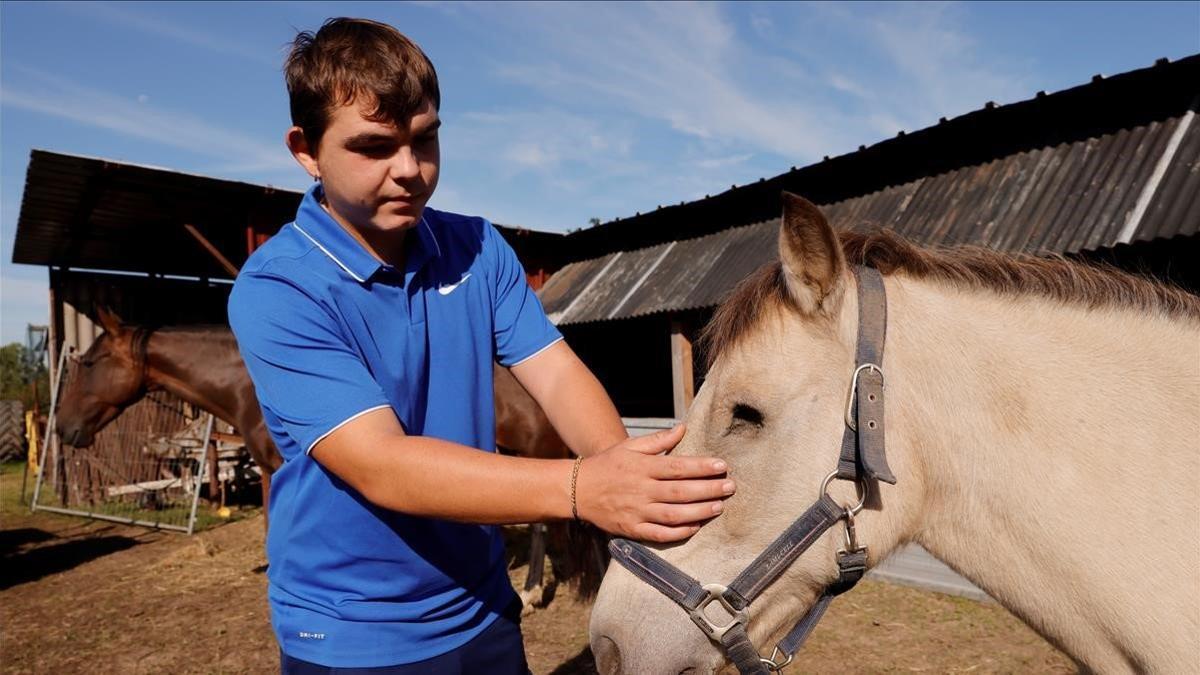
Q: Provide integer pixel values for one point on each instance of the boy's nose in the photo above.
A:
(405, 165)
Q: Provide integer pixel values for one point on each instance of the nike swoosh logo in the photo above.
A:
(447, 289)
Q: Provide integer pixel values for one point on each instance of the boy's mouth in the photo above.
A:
(402, 201)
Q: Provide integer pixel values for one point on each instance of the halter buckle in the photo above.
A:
(850, 421)
(716, 592)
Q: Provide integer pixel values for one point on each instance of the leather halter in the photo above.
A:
(139, 349)
(862, 460)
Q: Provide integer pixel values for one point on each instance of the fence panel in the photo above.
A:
(145, 468)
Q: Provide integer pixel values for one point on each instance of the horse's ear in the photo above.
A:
(813, 262)
(109, 320)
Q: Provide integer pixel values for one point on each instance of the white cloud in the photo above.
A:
(680, 63)
(59, 97)
(848, 85)
(544, 141)
(919, 62)
(940, 60)
(720, 162)
(686, 66)
(124, 16)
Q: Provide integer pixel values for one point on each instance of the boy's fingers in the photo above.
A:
(675, 468)
(686, 491)
(663, 534)
(676, 515)
(657, 442)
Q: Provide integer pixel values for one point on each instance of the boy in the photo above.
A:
(369, 326)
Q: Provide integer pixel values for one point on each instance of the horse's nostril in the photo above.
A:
(607, 655)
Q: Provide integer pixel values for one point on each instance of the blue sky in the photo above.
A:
(554, 113)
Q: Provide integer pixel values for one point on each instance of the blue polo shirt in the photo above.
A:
(328, 333)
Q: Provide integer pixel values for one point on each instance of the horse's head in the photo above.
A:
(773, 405)
(104, 381)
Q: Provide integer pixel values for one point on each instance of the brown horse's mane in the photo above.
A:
(1089, 284)
(206, 329)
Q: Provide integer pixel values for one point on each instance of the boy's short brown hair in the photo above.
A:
(348, 59)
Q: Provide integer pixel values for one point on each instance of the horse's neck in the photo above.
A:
(1051, 441)
(198, 368)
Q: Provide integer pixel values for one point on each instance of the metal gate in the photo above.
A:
(145, 468)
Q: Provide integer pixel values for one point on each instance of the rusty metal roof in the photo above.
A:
(1134, 184)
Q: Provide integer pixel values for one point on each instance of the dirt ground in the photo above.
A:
(79, 596)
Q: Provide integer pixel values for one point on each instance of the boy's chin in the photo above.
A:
(394, 222)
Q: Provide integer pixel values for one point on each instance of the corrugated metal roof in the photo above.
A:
(1131, 185)
(84, 212)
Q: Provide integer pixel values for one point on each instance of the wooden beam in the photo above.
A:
(228, 438)
(683, 386)
(212, 250)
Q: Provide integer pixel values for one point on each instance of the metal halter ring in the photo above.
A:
(774, 666)
(862, 486)
(854, 390)
(716, 593)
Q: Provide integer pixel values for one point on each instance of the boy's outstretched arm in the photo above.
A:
(627, 490)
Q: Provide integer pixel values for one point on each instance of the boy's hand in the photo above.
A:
(630, 491)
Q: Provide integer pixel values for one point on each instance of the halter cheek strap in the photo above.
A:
(862, 458)
(140, 349)
(862, 442)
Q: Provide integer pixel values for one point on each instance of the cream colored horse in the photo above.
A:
(1043, 421)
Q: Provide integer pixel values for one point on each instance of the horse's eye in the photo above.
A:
(745, 416)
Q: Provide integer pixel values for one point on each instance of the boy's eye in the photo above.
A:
(377, 150)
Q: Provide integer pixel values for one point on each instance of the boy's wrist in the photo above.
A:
(557, 498)
(574, 482)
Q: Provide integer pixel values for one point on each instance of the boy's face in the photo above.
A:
(377, 176)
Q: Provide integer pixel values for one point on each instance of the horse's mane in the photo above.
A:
(214, 330)
(1089, 284)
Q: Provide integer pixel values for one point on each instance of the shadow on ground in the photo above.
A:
(580, 664)
(43, 561)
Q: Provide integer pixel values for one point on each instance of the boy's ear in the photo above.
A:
(297, 143)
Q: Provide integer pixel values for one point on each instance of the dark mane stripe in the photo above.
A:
(1054, 277)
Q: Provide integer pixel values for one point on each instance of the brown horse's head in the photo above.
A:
(109, 377)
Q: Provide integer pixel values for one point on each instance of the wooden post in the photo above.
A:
(682, 383)
(214, 470)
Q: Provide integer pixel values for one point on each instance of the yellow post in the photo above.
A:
(31, 434)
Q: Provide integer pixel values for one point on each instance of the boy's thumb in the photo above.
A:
(659, 441)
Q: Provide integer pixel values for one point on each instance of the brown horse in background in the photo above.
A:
(202, 365)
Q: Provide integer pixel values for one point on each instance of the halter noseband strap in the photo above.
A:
(862, 458)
